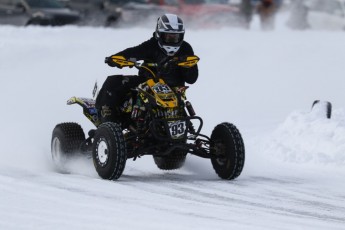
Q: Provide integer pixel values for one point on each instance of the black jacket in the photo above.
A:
(150, 51)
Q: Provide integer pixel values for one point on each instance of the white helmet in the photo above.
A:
(169, 33)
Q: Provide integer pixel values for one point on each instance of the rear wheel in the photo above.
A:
(66, 141)
(174, 161)
(109, 151)
(227, 151)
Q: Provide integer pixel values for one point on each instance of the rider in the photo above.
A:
(166, 44)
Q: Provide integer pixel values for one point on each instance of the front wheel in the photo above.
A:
(109, 151)
(227, 151)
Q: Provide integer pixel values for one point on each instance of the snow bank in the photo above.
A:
(309, 137)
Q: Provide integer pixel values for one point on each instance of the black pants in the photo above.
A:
(115, 89)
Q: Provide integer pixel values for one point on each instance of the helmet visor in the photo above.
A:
(172, 38)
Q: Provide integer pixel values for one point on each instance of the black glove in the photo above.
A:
(169, 66)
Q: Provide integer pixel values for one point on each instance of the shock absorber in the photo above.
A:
(192, 114)
(190, 109)
(135, 112)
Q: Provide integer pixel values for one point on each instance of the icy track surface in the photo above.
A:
(264, 83)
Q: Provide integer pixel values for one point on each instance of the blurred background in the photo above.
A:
(300, 14)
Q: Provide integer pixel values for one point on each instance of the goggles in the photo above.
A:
(171, 38)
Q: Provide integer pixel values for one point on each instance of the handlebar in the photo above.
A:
(120, 61)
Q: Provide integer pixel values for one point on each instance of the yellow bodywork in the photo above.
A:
(189, 62)
(166, 97)
(74, 100)
(122, 61)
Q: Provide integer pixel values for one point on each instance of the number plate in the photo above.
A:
(177, 128)
(161, 88)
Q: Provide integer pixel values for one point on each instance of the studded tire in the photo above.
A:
(109, 151)
(227, 151)
(66, 140)
(175, 161)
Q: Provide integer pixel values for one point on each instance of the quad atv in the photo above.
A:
(158, 121)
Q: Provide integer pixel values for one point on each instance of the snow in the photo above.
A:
(263, 82)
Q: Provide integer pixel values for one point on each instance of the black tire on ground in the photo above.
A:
(109, 151)
(174, 161)
(325, 106)
(66, 140)
(227, 151)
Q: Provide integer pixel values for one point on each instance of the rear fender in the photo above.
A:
(89, 108)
